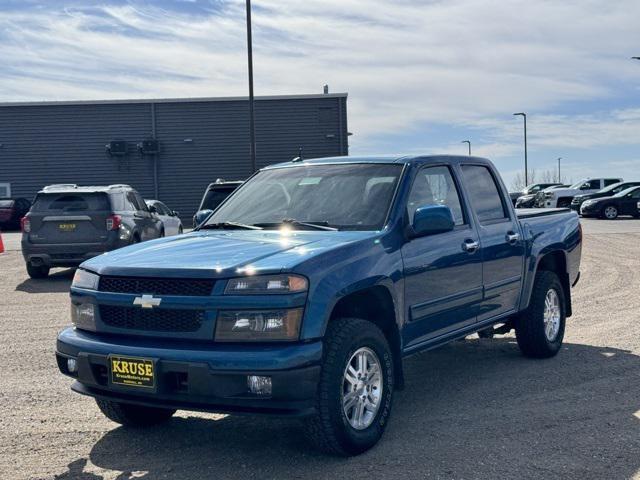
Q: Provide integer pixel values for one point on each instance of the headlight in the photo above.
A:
(85, 279)
(258, 325)
(266, 284)
(83, 316)
(588, 202)
(548, 194)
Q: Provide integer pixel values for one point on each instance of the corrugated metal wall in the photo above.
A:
(200, 140)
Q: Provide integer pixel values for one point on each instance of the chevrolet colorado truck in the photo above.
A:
(305, 289)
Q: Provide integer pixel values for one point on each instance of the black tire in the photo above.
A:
(530, 326)
(162, 233)
(180, 230)
(486, 333)
(135, 239)
(329, 429)
(38, 271)
(133, 415)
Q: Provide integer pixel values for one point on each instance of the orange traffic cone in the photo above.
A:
(1, 244)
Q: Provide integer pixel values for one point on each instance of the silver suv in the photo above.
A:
(68, 224)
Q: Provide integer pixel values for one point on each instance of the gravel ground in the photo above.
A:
(474, 409)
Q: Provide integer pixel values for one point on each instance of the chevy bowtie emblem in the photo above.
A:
(147, 301)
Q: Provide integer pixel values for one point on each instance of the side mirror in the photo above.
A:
(201, 216)
(431, 219)
(175, 214)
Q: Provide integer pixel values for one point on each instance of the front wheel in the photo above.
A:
(610, 212)
(355, 390)
(133, 415)
(540, 329)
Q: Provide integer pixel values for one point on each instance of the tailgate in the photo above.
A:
(71, 228)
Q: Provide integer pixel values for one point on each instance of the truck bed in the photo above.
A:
(524, 213)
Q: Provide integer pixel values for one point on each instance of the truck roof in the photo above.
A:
(73, 188)
(400, 159)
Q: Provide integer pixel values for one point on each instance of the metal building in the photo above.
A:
(198, 141)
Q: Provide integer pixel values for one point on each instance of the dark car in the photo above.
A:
(68, 224)
(12, 210)
(214, 195)
(622, 203)
(609, 191)
(303, 292)
(530, 190)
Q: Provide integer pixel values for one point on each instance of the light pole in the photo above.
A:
(469, 144)
(526, 167)
(252, 120)
(559, 177)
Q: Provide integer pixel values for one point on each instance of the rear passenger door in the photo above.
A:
(502, 245)
(442, 272)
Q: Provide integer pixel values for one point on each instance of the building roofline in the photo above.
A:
(173, 100)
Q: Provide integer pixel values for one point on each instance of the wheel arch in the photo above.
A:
(555, 261)
(376, 304)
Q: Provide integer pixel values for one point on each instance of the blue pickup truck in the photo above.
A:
(302, 293)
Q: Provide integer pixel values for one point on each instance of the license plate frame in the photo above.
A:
(120, 374)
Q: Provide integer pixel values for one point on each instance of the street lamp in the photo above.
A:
(252, 120)
(469, 144)
(526, 168)
(559, 177)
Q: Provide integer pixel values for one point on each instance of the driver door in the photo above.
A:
(442, 272)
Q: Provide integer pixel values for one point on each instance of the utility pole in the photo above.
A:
(526, 167)
(468, 142)
(252, 120)
(559, 177)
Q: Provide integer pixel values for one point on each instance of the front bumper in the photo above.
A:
(201, 376)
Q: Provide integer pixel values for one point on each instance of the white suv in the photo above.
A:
(561, 197)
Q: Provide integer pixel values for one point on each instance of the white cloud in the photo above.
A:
(406, 64)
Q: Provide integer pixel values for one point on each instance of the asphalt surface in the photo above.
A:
(474, 409)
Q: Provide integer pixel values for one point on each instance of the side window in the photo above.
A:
(132, 202)
(141, 203)
(610, 181)
(117, 202)
(435, 186)
(484, 194)
(162, 210)
(635, 194)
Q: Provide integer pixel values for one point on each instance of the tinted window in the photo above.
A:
(591, 185)
(435, 186)
(484, 195)
(215, 196)
(66, 202)
(611, 181)
(635, 194)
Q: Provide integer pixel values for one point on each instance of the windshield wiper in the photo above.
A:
(230, 225)
(296, 223)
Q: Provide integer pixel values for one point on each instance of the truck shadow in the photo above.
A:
(473, 409)
(57, 282)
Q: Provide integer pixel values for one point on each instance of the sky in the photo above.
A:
(421, 75)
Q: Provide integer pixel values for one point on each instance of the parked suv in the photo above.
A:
(68, 224)
(214, 195)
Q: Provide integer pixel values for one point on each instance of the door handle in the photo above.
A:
(512, 237)
(470, 246)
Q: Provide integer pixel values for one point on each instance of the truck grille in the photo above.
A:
(156, 320)
(195, 287)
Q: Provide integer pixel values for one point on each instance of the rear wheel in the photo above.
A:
(133, 415)
(37, 271)
(540, 329)
(610, 212)
(355, 389)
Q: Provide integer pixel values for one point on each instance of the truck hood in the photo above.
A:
(563, 192)
(220, 253)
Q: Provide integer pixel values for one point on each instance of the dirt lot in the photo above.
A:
(474, 409)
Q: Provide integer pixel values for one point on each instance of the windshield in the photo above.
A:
(346, 197)
(625, 191)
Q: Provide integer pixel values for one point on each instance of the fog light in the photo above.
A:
(259, 385)
(72, 365)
